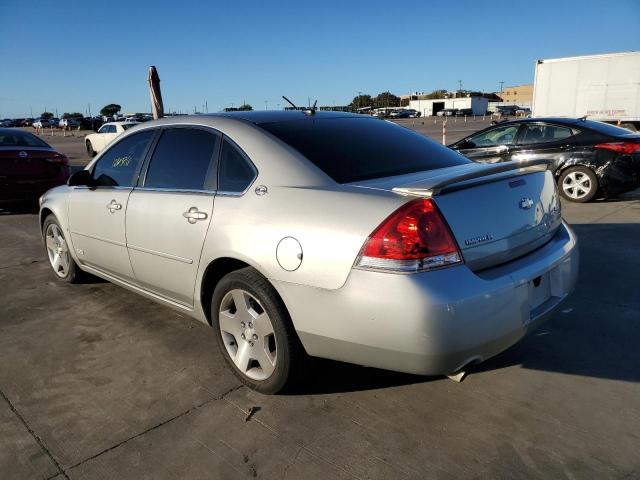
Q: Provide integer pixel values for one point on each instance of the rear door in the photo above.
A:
(490, 146)
(168, 215)
(543, 140)
(96, 215)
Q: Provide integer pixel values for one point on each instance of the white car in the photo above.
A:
(96, 142)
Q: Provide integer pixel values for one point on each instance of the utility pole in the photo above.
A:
(206, 107)
(501, 84)
(266, 104)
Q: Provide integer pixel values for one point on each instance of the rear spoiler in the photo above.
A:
(433, 186)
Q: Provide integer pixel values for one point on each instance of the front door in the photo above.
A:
(491, 146)
(97, 215)
(169, 215)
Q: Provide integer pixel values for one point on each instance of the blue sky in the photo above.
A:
(66, 55)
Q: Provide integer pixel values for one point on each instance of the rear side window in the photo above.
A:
(236, 173)
(119, 164)
(353, 149)
(542, 133)
(183, 160)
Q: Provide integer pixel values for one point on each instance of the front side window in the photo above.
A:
(183, 160)
(542, 133)
(118, 165)
(494, 137)
(236, 173)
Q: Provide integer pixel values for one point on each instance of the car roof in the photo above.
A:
(272, 116)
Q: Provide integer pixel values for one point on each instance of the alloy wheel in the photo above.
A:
(576, 185)
(57, 250)
(247, 334)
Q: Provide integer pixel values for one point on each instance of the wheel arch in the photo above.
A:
(214, 272)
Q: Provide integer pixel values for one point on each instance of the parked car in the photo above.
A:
(447, 112)
(27, 122)
(7, 122)
(333, 234)
(401, 113)
(69, 123)
(54, 122)
(589, 158)
(95, 142)
(461, 112)
(28, 166)
(41, 123)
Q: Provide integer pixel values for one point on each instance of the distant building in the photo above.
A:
(521, 95)
(476, 105)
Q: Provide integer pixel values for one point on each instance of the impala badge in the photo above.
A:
(526, 203)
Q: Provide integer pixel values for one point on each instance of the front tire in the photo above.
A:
(254, 332)
(578, 184)
(63, 265)
(90, 149)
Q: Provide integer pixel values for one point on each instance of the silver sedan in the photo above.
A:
(314, 233)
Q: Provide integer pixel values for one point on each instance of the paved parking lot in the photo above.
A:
(97, 382)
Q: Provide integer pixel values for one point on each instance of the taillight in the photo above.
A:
(413, 238)
(627, 148)
(59, 158)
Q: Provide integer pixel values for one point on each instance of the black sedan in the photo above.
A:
(589, 158)
(28, 166)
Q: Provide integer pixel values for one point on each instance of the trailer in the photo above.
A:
(600, 87)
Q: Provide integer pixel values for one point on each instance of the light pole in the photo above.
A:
(266, 104)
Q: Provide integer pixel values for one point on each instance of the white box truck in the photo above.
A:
(601, 87)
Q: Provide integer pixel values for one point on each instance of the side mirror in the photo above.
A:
(82, 178)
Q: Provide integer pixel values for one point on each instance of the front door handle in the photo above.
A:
(113, 206)
(193, 215)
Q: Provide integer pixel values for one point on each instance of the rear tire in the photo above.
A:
(254, 332)
(578, 184)
(90, 149)
(63, 265)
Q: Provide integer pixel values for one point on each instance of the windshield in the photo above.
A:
(20, 139)
(604, 128)
(354, 148)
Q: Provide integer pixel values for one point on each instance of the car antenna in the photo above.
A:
(583, 119)
(290, 102)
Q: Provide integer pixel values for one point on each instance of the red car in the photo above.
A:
(28, 166)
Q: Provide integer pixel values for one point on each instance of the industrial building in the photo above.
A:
(521, 95)
(427, 108)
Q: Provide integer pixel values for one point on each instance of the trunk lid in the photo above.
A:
(29, 163)
(496, 212)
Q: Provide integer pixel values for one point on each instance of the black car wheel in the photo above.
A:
(578, 184)
(90, 149)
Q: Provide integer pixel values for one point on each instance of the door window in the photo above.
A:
(541, 133)
(117, 167)
(494, 137)
(183, 160)
(236, 172)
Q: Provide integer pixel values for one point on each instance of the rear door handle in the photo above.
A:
(113, 206)
(193, 215)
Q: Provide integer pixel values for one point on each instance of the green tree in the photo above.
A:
(436, 94)
(361, 101)
(46, 115)
(111, 109)
(386, 99)
(72, 115)
(245, 107)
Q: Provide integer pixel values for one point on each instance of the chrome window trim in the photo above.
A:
(174, 190)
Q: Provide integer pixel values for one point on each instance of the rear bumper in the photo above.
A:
(434, 322)
(11, 191)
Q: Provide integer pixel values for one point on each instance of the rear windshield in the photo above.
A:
(126, 126)
(604, 128)
(353, 149)
(16, 138)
